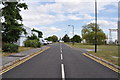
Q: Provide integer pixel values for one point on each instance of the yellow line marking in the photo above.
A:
(103, 63)
(22, 61)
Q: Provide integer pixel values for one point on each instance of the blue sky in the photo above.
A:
(53, 17)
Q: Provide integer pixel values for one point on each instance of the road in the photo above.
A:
(60, 61)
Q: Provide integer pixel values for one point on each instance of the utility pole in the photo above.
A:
(95, 26)
(73, 32)
(119, 24)
(118, 32)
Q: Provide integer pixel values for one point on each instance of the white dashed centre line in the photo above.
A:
(61, 57)
(62, 65)
(63, 71)
(61, 50)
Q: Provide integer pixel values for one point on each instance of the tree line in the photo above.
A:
(11, 28)
(88, 35)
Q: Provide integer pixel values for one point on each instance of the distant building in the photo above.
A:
(23, 37)
(83, 41)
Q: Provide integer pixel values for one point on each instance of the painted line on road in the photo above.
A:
(61, 50)
(60, 47)
(61, 57)
(63, 71)
(103, 63)
(17, 63)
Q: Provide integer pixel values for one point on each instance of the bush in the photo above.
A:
(9, 47)
(32, 43)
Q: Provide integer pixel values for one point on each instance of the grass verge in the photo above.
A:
(106, 52)
(19, 50)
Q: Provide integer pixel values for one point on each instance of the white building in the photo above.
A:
(83, 41)
(23, 37)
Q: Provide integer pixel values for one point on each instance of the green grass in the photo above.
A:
(79, 45)
(19, 50)
(105, 51)
(24, 48)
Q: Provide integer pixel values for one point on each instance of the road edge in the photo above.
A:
(16, 63)
(103, 62)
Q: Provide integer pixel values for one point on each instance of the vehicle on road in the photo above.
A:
(43, 42)
(49, 42)
(61, 41)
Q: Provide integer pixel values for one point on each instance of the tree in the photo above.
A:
(54, 38)
(88, 33)
(11, 28)
(33, 37)
(76, 38)
(49, 38)
(32, 41)
(66, 38)
(39, 33)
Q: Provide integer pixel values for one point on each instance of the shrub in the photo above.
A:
(32, 43)
(9, 47)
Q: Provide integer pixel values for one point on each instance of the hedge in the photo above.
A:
(10, 47)
(32, 43)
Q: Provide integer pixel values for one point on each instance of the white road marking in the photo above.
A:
(61, 57)
(63, 71)
(61, 50)
(60, 47)
(62, 65)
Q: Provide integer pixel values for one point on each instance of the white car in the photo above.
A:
(61, 41)
(49, 42)
(43, 42)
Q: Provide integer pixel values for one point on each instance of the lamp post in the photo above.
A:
(73, 32)
(95, 26)
(119, 24)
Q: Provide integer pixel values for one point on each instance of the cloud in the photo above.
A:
(42, 19)
(78, 1)
(50, 29)
(43, 14)
(36, 19)
(73, 17)
(105, 24)
(86, 16)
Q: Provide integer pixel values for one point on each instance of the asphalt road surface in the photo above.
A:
(60, 61)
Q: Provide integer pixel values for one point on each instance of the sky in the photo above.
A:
(52, 17)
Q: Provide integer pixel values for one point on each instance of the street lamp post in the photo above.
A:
(73, 32)
(119, 23)
(95, 26)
